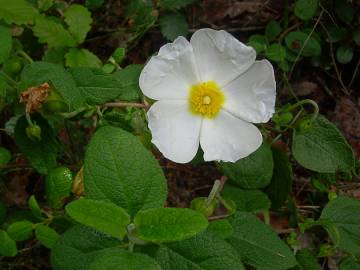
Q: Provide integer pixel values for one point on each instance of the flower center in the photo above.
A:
(206, 99)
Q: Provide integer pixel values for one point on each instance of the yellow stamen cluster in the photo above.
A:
(206, 99)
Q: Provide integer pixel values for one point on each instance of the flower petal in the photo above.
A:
(252, 95)
(228, 138)
(175, 130)
(169, 74)
(219, 56)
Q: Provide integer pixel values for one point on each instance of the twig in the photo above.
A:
(124, 105)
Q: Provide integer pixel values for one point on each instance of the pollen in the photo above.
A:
(206, 99)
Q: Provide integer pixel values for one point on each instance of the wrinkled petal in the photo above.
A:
(219, 56)
(169, 74)
(228, 138)
(252, 95)
(175, 130)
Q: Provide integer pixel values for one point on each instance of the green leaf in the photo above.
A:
(281, 181)
(55, 55)
(205, 251)
(168, 224)
(81, 58)
(221, 228)
(44, 5)
(96, 86)
(174, 4)
(79, 246)
(105, 217)
(119, 55)
(258, 245)
(78, 18)
(123, 260)
(40, 154)
(17, 11)
(344, 11)
(94, 4)
(258, 42)
(350, 263)
(4, 86)
(344, 54)
(58, 185)
(246, 200)
(52, 33)
(46, 235)
(272, 29)
(336, 33)
(5, 156)
(133, 181)
(306, 260)
(301, 42)
(21, 230)
(7, 245)
(276, 52)
(173, 25)
(322, 148)
(252, 172)
(344, 213)
(34, 207)
(306, 9)
(5, 44)
(128, 78)
(40, 72)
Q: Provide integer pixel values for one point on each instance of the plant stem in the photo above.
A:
(26, 56)
(125, 104)
(214, 191)
(307, 101)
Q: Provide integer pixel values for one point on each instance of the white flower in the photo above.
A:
(209, 90)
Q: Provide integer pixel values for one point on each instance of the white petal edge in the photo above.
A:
(228, 138)
(219, 56)
(175, 130)
(252, 95)
(170, 73)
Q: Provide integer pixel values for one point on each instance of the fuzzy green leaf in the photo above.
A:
(168, 224)
(46, 235)
(300, 42)
(133, 181)
(322, 148)
(7, 245)
(20, 230)
(78, 18)
(128, 78)
(58, 185)
(173, 25)
(81, 58)
(306, 9)
(105, 217)
(5, 44)
(17, 12)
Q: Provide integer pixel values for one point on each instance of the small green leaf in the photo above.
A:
(258, 245)
(58, 185)
(306, 9)
(173, 25)
(344, 213)
(94, 4)
(344, 54)
(168, 224)
(119, 55)
(246, 200)
(5, 156)
(105, 217)
(7, 245)
(34, 207)
(344, 11)
(41, 154)
(44, 5)
(336, 34)
(78, 18)
(20, 230)
(81, 58)
(79, 246)
(276, 52)
(174, 4)
(17, 11)
(252, 172)
(281, 181)
(258, 42)
(46, 235)
(107, 171)
(301, 42)
(272, 29)
(52, 33)
(123, 260)
(205, 251)
(5, 44)
(322, 148)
